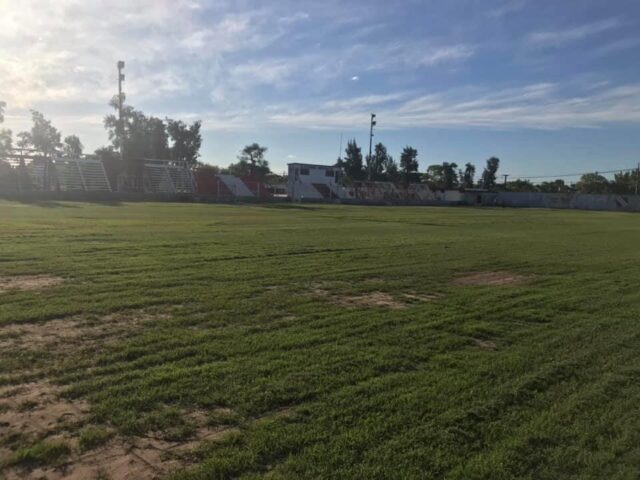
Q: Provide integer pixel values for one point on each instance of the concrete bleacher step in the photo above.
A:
(236, 186)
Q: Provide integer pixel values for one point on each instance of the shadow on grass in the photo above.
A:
(48, 204)
(70, 203)
(289, 206)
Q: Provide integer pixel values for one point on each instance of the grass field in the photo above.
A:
(323, 341)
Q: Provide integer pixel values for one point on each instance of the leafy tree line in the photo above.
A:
(142, 137)
(43, 138)
(382, 167)
(623, 183)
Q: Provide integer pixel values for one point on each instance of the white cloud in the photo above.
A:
(355, 78)
(447, 53)
(539, 106)
(509, 7)
(364, 101)
(550, 38)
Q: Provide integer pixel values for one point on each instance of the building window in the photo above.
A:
(304, 171)
(328, 173)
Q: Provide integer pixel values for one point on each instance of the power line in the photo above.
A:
(564, 175)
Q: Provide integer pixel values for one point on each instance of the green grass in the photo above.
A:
(371, 392)
(42, 453)
(92, 437)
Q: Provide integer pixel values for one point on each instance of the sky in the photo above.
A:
(550, 87)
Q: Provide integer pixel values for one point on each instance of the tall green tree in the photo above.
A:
(450, 175)
(467, 176)
(351, 165)
(390, 168)
(409, 165)
(251, 161)
(490, 172)
(72, 146)
(6, 141)
(556, 186)
(434, 177)
(6, 138)
(24, 140)
(375, 165)
(593, 183)
(45, 138)
(142, 136)
(625, 183)
(186, 141)
(520, 186)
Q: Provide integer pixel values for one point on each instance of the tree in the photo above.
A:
(489, 174)
(72, 146)
(409, 165)
(5, 134)
(520, 186)
(142, 136)
(593, 183)
(375, 165)
(625, 183)
(467, 176)
(25, 141)
(351, 165)
(111, 161)
(45, 138)
(6, 141)
(556, 186)
(186, 141)
(450, 175)
(434, 177)
(251, 161)
(390, 168)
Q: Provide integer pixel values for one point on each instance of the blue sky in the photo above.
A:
(548, 86)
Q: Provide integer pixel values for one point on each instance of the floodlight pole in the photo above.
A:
(120, 126)
(373, 124)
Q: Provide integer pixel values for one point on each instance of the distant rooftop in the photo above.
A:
(312, 165)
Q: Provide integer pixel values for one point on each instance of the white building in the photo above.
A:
(313, 182)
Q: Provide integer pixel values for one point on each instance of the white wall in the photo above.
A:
(301, 186)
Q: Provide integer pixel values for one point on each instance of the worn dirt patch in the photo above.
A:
(485, 344)
(374, 299)
(28, 282)
(67, 334)
(491, 279)
(428, 297)
(36, 411)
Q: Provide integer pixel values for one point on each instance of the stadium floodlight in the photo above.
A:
(120, 129)
(373, 124)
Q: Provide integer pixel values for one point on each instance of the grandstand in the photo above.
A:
(167, 176)
(28, 170)
(81, 174)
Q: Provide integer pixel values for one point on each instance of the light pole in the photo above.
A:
(120, 126)
(373, 124)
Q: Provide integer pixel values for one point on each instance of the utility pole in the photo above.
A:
(505, 180)
(373, 124)
(637, 177)
(120, 126)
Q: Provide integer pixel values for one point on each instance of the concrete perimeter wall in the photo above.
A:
(581, 201)
(620, 203)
